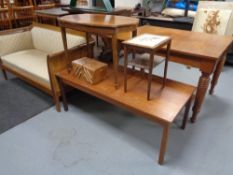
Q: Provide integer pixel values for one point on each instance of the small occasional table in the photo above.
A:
(149, 44)
(103, 25)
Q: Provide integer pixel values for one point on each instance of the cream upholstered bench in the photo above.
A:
(36, 53)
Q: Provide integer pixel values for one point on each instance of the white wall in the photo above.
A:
(126, 3)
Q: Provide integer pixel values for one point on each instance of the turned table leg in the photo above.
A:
(203, 85)
(115, 58)
(216, 75)
(163, 144)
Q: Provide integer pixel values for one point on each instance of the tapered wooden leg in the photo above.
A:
(166, 64)
(150, 75)
(115, 59)
(97, 40)
(125, 68)
(57, 103)
(163, 145)
(216, 75)
(203, 85)
(63, 94)
(134, 34)
(64, 39)
(133, 58)
(89, 52)
(186, 113)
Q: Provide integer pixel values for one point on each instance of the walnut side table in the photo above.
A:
(146, 44)
(103, 25)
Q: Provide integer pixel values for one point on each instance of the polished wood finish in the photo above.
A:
(203, 51)
(192, 44)
(163, 144)
(101, 25)
(89, 69)
(56, 62)
(98, 20)
(152, 52)
(163, 107)
(217, 73)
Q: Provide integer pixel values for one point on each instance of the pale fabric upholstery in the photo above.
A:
(51, 41)
(15, 42)
(26, 52)
(212, 21)
(217, 5)
(177, 12)
(32, 63)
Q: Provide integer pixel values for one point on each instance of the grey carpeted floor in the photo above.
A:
(19, 102)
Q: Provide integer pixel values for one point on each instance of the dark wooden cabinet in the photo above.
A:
(100, 3)
(182, 23)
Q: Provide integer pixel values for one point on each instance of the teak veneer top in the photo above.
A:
(99, 20)
(192, 43)
(164, 105)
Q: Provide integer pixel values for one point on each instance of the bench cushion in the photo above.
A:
(31, 63)
(50, 41)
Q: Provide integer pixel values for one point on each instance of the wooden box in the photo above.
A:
(90, 70)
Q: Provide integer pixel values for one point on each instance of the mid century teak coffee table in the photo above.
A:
(163, 108)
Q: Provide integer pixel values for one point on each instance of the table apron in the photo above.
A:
(204, 65)
(114, 102)
(99, 30)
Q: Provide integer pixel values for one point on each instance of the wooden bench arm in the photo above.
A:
(57, 62)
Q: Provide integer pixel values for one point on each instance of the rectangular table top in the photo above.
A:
(164, 106)
(192, 43)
